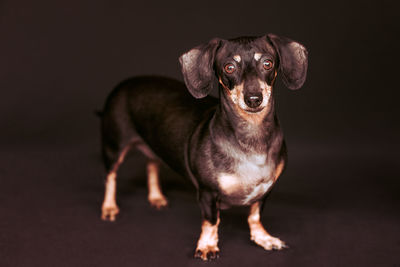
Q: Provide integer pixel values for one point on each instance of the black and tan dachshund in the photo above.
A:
(231, 147)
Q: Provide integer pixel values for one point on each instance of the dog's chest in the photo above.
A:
(250, 180)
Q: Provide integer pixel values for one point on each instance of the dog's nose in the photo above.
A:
(253, 100)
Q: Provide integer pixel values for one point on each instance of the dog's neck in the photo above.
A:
(252, 131)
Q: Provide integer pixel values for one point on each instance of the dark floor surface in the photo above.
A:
(334, 206)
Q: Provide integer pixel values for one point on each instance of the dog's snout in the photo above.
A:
(253, 100)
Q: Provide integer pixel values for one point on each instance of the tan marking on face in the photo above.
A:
(273, 80)
(155, 196)
(266, 92)
(208, 241)
(258, 234)
(278, 170)
(236, 95)
(237, 58)
(257, 56)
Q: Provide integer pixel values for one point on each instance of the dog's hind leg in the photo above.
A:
(155, 195)
(113, 160)
(118, 136)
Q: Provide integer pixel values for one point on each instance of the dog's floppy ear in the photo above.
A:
(293, 60)
(198, 68)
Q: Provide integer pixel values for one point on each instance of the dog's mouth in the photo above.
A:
(253, 110)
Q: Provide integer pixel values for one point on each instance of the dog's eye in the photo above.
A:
(267, 64)
(230, 68)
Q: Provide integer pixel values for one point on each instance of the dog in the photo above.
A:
(231, 148)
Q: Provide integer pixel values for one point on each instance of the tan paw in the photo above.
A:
(207, 253)
(109, 212)
(158, 202)
(268, 242)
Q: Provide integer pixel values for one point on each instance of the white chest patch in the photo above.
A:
(260, 189)
(229, 183)
(251, 179)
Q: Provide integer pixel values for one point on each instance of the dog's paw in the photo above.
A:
(268, 242)
(207, 253)
(158, 202)
(109, 212)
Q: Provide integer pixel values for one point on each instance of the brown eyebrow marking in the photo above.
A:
(257, 56)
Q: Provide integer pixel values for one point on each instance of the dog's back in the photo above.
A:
(154, 109)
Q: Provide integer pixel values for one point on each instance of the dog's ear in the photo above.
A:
(293, 60)
(198, 68)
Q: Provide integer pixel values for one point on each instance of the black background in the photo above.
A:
(336, 205)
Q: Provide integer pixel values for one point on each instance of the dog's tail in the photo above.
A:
(99, 113)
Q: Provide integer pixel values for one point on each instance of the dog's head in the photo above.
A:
(245, 68)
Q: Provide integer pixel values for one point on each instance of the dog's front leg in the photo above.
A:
(207, 245)
(258, 234)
